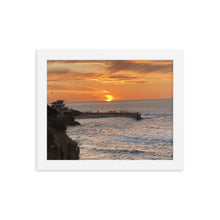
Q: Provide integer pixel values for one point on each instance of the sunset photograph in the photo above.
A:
(110, 109)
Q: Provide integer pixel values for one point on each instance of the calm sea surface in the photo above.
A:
(122, 138)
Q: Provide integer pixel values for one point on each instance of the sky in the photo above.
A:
(109, 80)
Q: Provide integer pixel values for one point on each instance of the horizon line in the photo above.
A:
(114, 100)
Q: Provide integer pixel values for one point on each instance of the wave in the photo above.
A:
(149, 116)
(118, 151)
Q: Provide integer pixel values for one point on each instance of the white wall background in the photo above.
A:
(29, 25)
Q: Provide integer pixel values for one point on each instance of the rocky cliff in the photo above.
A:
(59, 145)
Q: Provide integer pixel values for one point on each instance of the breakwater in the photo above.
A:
(134, 115)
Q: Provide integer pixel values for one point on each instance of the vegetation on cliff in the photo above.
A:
(59, 145)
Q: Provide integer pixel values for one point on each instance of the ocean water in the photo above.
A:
(121, 138)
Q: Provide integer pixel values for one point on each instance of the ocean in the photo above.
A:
(121, 138)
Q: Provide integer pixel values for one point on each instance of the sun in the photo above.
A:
(109, 98)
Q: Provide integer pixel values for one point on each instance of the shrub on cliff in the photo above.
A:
(53, 122)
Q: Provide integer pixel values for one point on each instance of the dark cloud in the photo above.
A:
(140, 81)
(58, 70)
(125, 65)
(122, 76)
(71, 74)
(132, 71)
(78, 61)
(118, 65)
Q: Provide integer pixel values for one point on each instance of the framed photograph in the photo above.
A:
(110, 110)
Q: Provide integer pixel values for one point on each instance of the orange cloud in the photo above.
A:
(125, 79)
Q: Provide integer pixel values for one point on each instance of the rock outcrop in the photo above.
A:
(68, 119)
(59, 145)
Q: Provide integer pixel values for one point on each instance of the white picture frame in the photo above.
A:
(110, 165)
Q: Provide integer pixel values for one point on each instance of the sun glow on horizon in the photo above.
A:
(109, 98)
